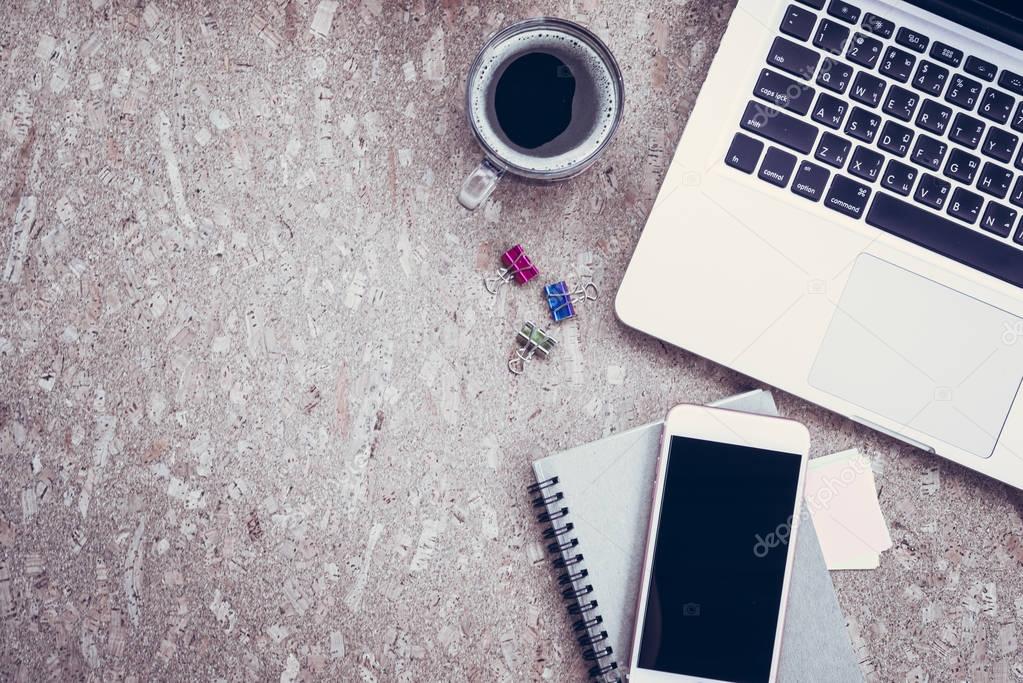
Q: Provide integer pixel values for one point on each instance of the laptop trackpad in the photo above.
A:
(922, 354)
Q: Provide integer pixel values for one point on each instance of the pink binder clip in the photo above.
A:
(517, 266)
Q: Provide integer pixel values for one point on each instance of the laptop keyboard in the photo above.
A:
(877, 122)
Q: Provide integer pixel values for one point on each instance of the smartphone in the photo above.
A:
(719, 548)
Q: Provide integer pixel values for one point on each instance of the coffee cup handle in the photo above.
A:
(478, 185)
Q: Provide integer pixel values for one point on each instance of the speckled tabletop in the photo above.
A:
(255, 419)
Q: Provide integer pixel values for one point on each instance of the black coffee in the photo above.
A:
(533, 99)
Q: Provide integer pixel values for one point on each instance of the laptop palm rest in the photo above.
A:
(923, 355)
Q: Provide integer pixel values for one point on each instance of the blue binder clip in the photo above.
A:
(562, 302)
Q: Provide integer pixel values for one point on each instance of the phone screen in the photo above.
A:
(719, 558)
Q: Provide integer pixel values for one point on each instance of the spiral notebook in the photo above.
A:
(596, 506)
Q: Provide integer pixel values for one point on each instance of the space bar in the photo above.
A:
(947, 238)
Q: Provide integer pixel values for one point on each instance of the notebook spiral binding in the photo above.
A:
(574, 590)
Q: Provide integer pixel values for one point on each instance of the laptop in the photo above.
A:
(842, 218)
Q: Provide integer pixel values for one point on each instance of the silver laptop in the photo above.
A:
(842, 218)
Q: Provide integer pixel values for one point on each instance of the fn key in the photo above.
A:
(744, 153)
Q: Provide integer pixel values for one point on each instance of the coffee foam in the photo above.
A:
(551, 157)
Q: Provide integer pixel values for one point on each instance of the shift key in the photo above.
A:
(778, 127)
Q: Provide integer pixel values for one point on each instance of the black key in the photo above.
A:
(965, 205)
(793, 58)
(895, 138)
(930, 77)
(867, 88)
(901, 103)
(832, 150)
(934, 116)
(998, 219)
(844, 11)
(975, 66)
(898, 177)
(911, 39)
(928, 152)
(963, 91)
(1018, 237)
(937, 233)
(829, 110)
(966, 130)
(1019, 160)
(864, 50)
(816, 4)
(1016, 197)
(879, 26)
(996, 105)
(743, 153)
(831, 36)
(798, 22)
(1012, 82)
(777, 166)
(946, 53)
(961, 166)
(1017, 120)
(862, 124)
(810, 180)
(783, 92)
(999, 144)
(847, 196)
(834, 75)
(932, 191)
(897, 63)
(994, 180)
(866, 163)
(779, 127)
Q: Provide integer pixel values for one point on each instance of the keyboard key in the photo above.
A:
(831, 36)
(798, 22)
(961, 166)
(900, 103)
(832, 150)
(895, 138)
(810, 180)
(930, 77)
(1017, 119)
(1016, 196)
(866, 163)
(966, 130)
(965, 205)
(783, 92)
(847, 196)
(946, 53)
(975, 66)
(1019, 160)
(862, 125)
(743, 153)
(998, 219)
(932, 191)
(844, 11)
(963, 91)
(816, 4)
(897, 63)
(911, 39)
(834, 75)
(864, 50)
(879, 26)
(898, 177)
(829, 110)
(793, 58)
(937, 233)
(999, 144)
(996, 106)
(779, 127)
(867, 89)
(994, 180)
(777, 166)
(928, 152)
(934, 116)
(1012, 82)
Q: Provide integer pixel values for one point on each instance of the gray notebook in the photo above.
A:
(606, 487)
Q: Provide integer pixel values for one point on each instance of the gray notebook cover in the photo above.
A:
(607, 487)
